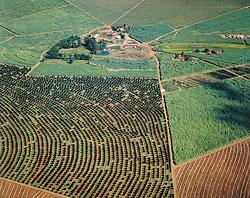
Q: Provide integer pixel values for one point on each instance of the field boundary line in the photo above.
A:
(92, 16)
(243, 139)
(167, 125)
(52, 8)
(127, 12)
(9, 30)
(50, 32)
(31, 187)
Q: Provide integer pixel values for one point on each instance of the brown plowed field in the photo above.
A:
(11, 189)
(224, 173)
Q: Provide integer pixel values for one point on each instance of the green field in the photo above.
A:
(206, 117)
(81, 68)
(106, 10)
(144, 33)
(232, 53)
(113, 63)
(41, 29)
(172, 68)
(201, 36)
(179, 13)
(209, 31)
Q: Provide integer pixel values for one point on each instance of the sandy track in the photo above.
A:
(224, 173)
(9, 189)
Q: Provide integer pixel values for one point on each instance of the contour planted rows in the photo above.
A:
(224, 173)
(83, 137)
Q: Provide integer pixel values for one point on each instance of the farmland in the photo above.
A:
(72, 136)
(224, 106)
(144, 33)
(14, 189)
(82, 68)
(195, 178)
(38, 26)
(124, 98)
(172, 11)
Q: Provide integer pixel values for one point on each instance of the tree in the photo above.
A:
(91, 44)
(206, 50)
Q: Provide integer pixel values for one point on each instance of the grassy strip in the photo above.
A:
(81, 68)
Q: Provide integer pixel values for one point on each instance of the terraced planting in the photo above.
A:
(83, 87)
(84, 136)
(216, 175)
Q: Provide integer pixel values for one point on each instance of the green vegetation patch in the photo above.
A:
(106, 10)
(82, 68)
(39, 32)
(13, 10)
(173, 68)
(179, 13)
(236, 22)
(126, 63)
(144, 33)
(224, 106)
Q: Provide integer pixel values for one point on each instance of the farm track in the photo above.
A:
(14, 189)
(92, 16)
(222, 173)
(6, 40)
(127, 12)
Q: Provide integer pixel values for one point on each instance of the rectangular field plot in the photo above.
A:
(144, 33)
(179, 13)
(12, 10)
(84, 136)
(82, 68)
(173, 68)
(206, 117)
(64, 18)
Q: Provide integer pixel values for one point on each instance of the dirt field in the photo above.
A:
(224, 173)
(13, 189)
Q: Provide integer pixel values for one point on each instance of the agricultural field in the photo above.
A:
(83, 68)
(36, 26)
(216, 175)
(105, 10)
(206, 117)
(144, 33)
(171, 68)
(179, 13)
(113, 63)
(14, 189)
(125, 98)
(84, 136)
